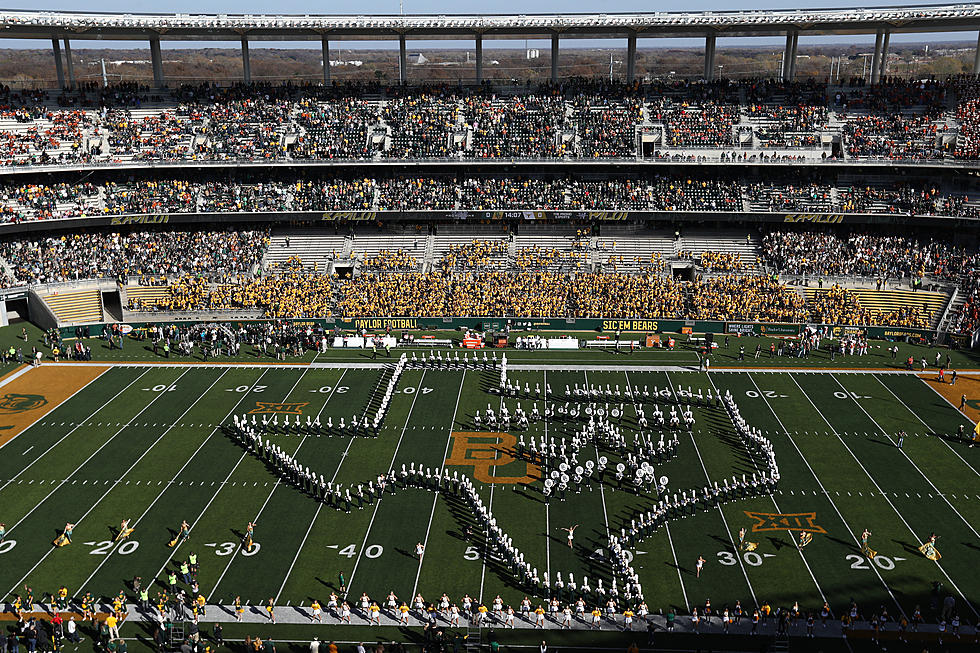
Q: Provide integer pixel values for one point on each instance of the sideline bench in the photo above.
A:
(612, 344)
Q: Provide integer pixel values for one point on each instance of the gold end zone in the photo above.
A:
(35, 393)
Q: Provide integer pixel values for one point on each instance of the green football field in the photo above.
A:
(143, 443)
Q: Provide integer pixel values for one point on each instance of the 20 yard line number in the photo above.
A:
(882, 562)
(768, 394)
(105, 547)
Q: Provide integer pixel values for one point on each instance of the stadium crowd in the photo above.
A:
(216, 270)
(830, 253)
(579, 118)
(207, 255)
(662, 192)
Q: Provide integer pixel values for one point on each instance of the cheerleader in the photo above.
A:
(249, 532)
(65, 538)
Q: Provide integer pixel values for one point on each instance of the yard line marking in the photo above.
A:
(670, 539)
(875, 483)
(234, 555)
(724, 520)
(415, 396)
(547, 504)
(124, 474)
(776, 505)
(26, 450)
(80, 424)
(486, 537)
(320, 504)
(823, 489)
(223, 483)
(179, 471)
(885, 433)
(445, 454)
(602, 492)
(79, 467)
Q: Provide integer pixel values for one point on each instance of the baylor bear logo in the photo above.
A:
(15, 403)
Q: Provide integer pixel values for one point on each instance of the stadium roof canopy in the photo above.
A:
(270, 27)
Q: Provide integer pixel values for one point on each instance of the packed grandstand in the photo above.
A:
(783, 227)
(228, 225)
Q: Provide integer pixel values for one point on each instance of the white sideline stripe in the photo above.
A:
(377, 504)
(124, 474)
(670, 539)
(724, 520)
(442, 465)
(539, 367)
(167, 486)
(885, 496)
(25, 370)
(275, 485)
(772, 497)
(319, 504)
(885, 433)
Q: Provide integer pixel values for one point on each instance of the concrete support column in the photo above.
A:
(554, 58)
(156, 60)
(402, 60)
(479, 58)
(793, 59)
(709, 57)
(631, 57)
(787, 57)
(876, 57)
(976, 58)
(325, 50)
(883, 63)
(246, 65)
(69, 65)
(58, 68)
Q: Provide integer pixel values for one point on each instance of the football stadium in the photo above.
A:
(626, 361)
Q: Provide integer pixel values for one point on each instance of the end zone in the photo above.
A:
(28, 394)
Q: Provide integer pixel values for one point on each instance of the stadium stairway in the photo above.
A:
(313, 249)
(729, 243)
(886, 301)
(145, 295)
(76, 306)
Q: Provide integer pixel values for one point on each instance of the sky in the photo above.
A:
(445, 7)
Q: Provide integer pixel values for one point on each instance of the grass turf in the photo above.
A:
(142, 443)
